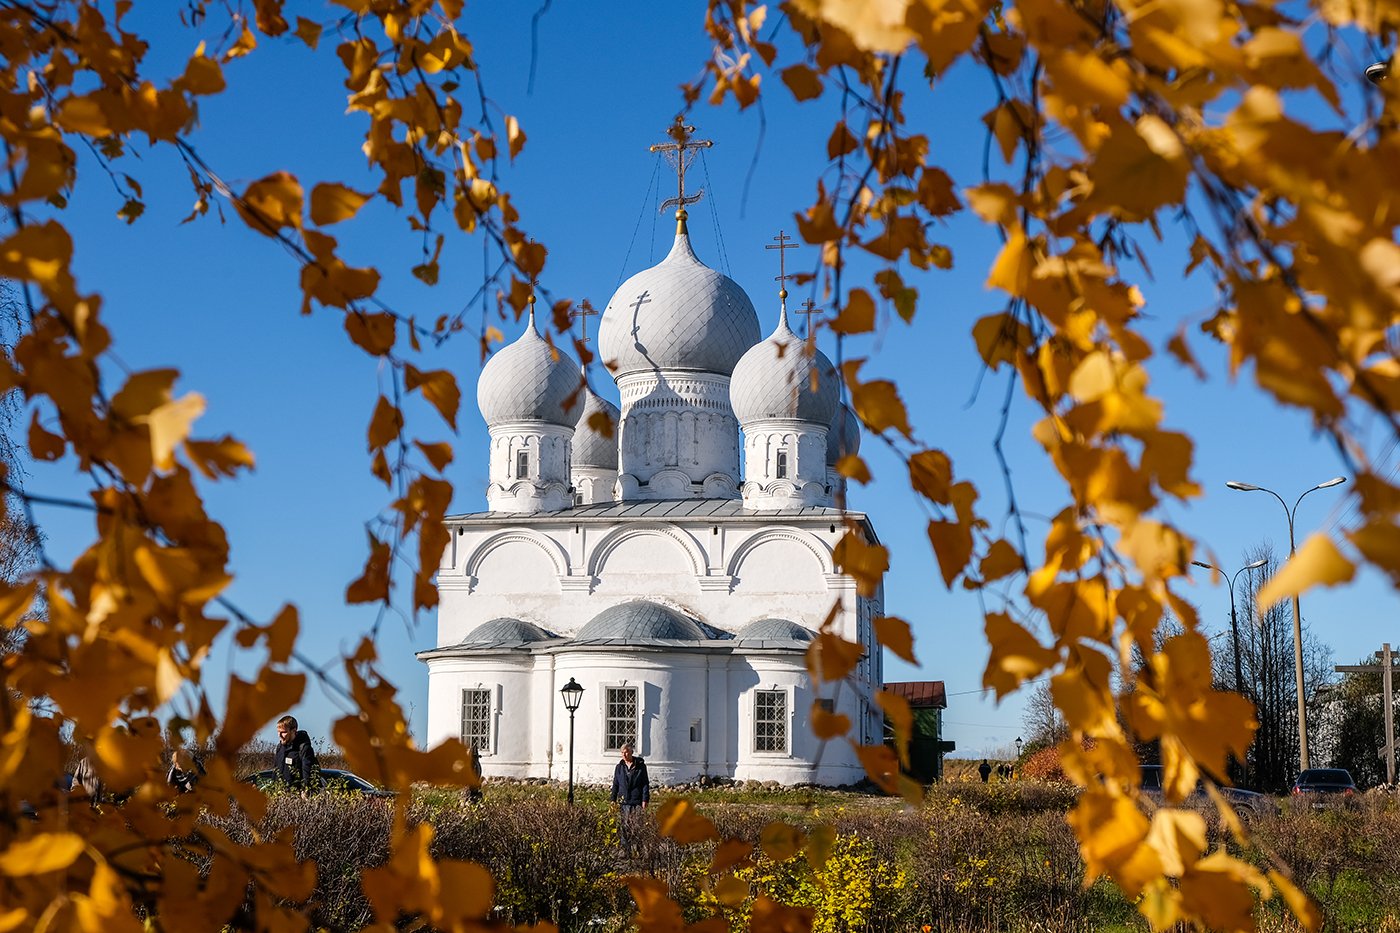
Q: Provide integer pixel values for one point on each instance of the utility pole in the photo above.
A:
(1386, 669)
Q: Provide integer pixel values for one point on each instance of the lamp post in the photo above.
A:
(1303, 760)
(573, 695)
(1234, 626)
(1018, 748)
(1378, 72)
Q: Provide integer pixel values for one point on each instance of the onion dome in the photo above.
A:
(775, 380)
(677, 315)
(530, 380)
(591, 447)
(505, 633)
(640, 620)
(844, 436)
(775, 630)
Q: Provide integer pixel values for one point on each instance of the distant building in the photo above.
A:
(629, 551)
(928, 700)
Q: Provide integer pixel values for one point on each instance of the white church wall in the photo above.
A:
(786, 674)
(509, 680)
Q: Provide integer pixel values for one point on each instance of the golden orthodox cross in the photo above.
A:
(782, 246)
(680, 153)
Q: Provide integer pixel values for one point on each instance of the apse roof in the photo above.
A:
(774, 633)
(505, 633)
(639, 621)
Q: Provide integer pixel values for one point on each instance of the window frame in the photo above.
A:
(784, 720)
(780, 465)
(487, 720)
(606, 698)
(522, 464)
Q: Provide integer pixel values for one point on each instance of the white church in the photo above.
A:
(676, 567)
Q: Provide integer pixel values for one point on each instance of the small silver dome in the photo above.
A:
(844, 436)
(775, 380)
(640, 620)
(505, 633)
(591, 447)
(679, 314)
(775, 630)
(529, 381)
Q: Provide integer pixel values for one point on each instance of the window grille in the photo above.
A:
(620, 718)
(476, 719)
(770, 721)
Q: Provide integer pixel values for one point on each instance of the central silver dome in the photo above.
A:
(677, 315)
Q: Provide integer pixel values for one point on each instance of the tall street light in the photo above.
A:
(1303, 760)
(1234, 626)
(573, 695)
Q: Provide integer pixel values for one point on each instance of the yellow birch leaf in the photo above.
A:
(772, 917)
(831, 657)
(439, 388)
(952, 545)
(828, 725)
(373, 584)
(820, 841)
(858, 317)
(731, 891)
(42, 444)
(331, 203)
(271, 203)
(880, 765)
(308, 32)
(170, 425)
(678, 819)
(877, 403)
(901, 719)
(1179, 838)
(515, 137)
(203, 75)
(802, 81)
(781, 841)
(1011, 272)
(853, 467)
(374, 333)
(41, 853)
(1217, 889)
(1001, 560)
(1016, 655)
(895, 635)
(1317, 562)
(439, 454)
(931, 473)
(730, 853)
(466, 892)
(384, 425)
(861, 560)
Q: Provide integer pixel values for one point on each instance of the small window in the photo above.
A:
(781, 472)
(770, 721)
(827, 706)
(695, 730)
(522, 464)
(620, 718)
(476, 719)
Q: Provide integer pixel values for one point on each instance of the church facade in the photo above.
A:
(672, 557)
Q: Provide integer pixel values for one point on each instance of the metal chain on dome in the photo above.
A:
(646, 198)
(714, 215)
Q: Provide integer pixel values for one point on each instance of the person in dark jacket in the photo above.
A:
(295, 761)
(631, 790)
(984, 769)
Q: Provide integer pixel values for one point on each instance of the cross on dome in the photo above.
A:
(807, 310)
(680, 153)
(582, 313)
(784, 243)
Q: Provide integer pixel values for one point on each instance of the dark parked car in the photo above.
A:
(1248, 804)
(1324, 785)
(332, 779)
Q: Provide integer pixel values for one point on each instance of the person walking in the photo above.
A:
(295, 759)
(984, 769)
(631, 790)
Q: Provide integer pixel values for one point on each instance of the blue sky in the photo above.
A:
(221, 303)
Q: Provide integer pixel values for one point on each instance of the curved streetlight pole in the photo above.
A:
(1234, 626)
(1303, 760)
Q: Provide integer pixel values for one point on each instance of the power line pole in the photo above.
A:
(1386, 669)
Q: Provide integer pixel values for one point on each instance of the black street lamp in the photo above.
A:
(573, 695)
(1019, 743)
(1234, 626)
(1303, 759)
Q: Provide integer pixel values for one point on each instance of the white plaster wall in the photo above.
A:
(544, 485)
(510, 679)
(675, 423)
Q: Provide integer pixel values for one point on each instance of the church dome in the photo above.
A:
(844, 436)
(775, 380)
(591, 447)
(640, 620)
(679, 314)
(505, 633)
(530, 380)
(775, 630)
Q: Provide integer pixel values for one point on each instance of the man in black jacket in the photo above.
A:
(631, 789)
(295, 761)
